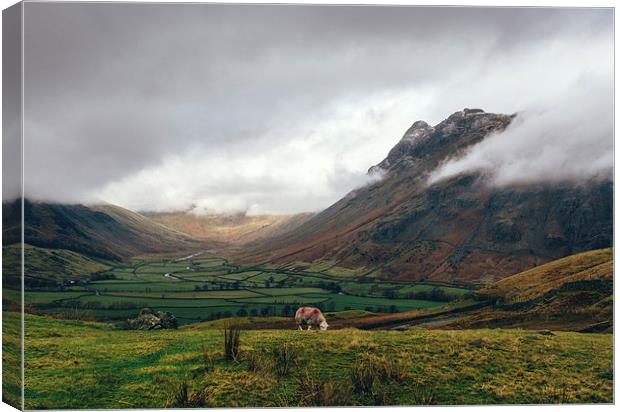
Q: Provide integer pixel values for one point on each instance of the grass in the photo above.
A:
(533, 283)
(11, 359)
(287, 291)
(331, 268)
(241, 275)
(58, 263)
(345, 302)
(314, 391)
(144, 286)
(76, 364)
(573, 293)
(215, 294)
(298, 299)
(39, 297)
(182, 398)
(215, 287)
(285, 358)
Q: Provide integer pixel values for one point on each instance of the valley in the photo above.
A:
(202, 286)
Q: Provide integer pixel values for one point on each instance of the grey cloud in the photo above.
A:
(117, 94)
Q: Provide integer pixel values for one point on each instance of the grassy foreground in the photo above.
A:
(73, 364)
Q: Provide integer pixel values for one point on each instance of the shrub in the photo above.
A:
(231, 342)
(101, 276)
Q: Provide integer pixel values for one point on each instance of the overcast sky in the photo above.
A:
(282, 109)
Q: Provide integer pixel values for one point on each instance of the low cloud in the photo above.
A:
(566, 136)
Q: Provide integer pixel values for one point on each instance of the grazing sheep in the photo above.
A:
(311, 317)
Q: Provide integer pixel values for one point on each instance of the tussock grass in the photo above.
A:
(256, 361)
(182, 397)
(372, 369)
(208, 359)
(423, 395)
(362, 377)
(314, 391)
(285, 358)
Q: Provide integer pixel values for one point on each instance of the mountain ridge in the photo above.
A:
(104, 231)
(458, 229)
(231, 229)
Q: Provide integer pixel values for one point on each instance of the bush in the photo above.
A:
(101, 276)
(436, 294)
(232, 334)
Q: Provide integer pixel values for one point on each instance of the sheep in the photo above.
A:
(311, 317)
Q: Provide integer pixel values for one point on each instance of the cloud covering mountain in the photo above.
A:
(279, 109)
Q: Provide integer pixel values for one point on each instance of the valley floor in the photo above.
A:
(201, 286)
(75, 364)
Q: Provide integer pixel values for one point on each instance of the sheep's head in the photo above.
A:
(323, 325)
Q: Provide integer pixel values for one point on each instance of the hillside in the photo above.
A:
(458, 230)
(107, 368)
(595, 267)
(573, 293)
(45, 267)
(232, 229)
(104, 231)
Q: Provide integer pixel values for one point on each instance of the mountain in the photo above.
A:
(232, 229)
(458, 230)
(573, 293)
(103, 231)
(45, 267)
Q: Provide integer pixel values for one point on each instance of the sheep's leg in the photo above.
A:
(309, 327)
(300, 328)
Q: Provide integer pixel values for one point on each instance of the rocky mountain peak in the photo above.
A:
(424, 142)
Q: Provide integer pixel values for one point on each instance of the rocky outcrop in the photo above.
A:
(149, 319)
(423, 142)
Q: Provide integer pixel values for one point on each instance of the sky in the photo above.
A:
(282, 109)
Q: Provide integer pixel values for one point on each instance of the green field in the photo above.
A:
(73, 364)
(211, 287)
